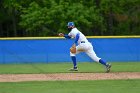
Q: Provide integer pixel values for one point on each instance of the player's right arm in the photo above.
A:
(64, 35)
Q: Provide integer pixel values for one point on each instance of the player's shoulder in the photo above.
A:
(75, 30)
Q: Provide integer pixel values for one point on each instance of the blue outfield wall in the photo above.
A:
(57, 50)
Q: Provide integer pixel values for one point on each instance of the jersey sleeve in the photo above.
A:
(77, 38)
(67, 36)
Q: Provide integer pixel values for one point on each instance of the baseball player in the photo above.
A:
(81, 44)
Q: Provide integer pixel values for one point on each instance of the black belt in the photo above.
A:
(82, 41)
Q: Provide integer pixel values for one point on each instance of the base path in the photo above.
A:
(68, 76)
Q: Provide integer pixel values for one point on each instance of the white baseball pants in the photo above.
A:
(88, 49)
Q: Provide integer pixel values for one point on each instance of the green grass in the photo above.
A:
(85, 86)
(63, 67)
(94, 86)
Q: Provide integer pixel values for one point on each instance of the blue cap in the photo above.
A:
(70, 24)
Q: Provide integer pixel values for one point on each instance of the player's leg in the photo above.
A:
(73, 58)
(80, 48)
(90, 52)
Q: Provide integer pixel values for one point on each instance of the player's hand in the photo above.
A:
(61, 34)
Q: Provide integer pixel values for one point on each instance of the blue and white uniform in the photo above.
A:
(83, 45)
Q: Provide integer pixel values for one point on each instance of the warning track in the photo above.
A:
(68, 76)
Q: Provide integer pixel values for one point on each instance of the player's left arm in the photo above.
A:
(77, 38)
(73, 48)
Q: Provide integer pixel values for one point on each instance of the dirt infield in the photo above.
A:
(68, 76)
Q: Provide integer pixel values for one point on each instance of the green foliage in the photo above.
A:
(49, 17)
(124, 14)
(53, 17)
(31, 18)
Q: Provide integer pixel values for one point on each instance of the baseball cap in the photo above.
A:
(70, 24)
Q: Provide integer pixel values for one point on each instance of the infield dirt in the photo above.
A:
(68, 76)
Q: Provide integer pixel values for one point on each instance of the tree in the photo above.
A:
(120, 15)
(49, 17)
(53, 18)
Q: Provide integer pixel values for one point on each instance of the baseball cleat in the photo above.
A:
(73, 69)
(108, 68)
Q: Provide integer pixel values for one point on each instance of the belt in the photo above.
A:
(82, 41)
